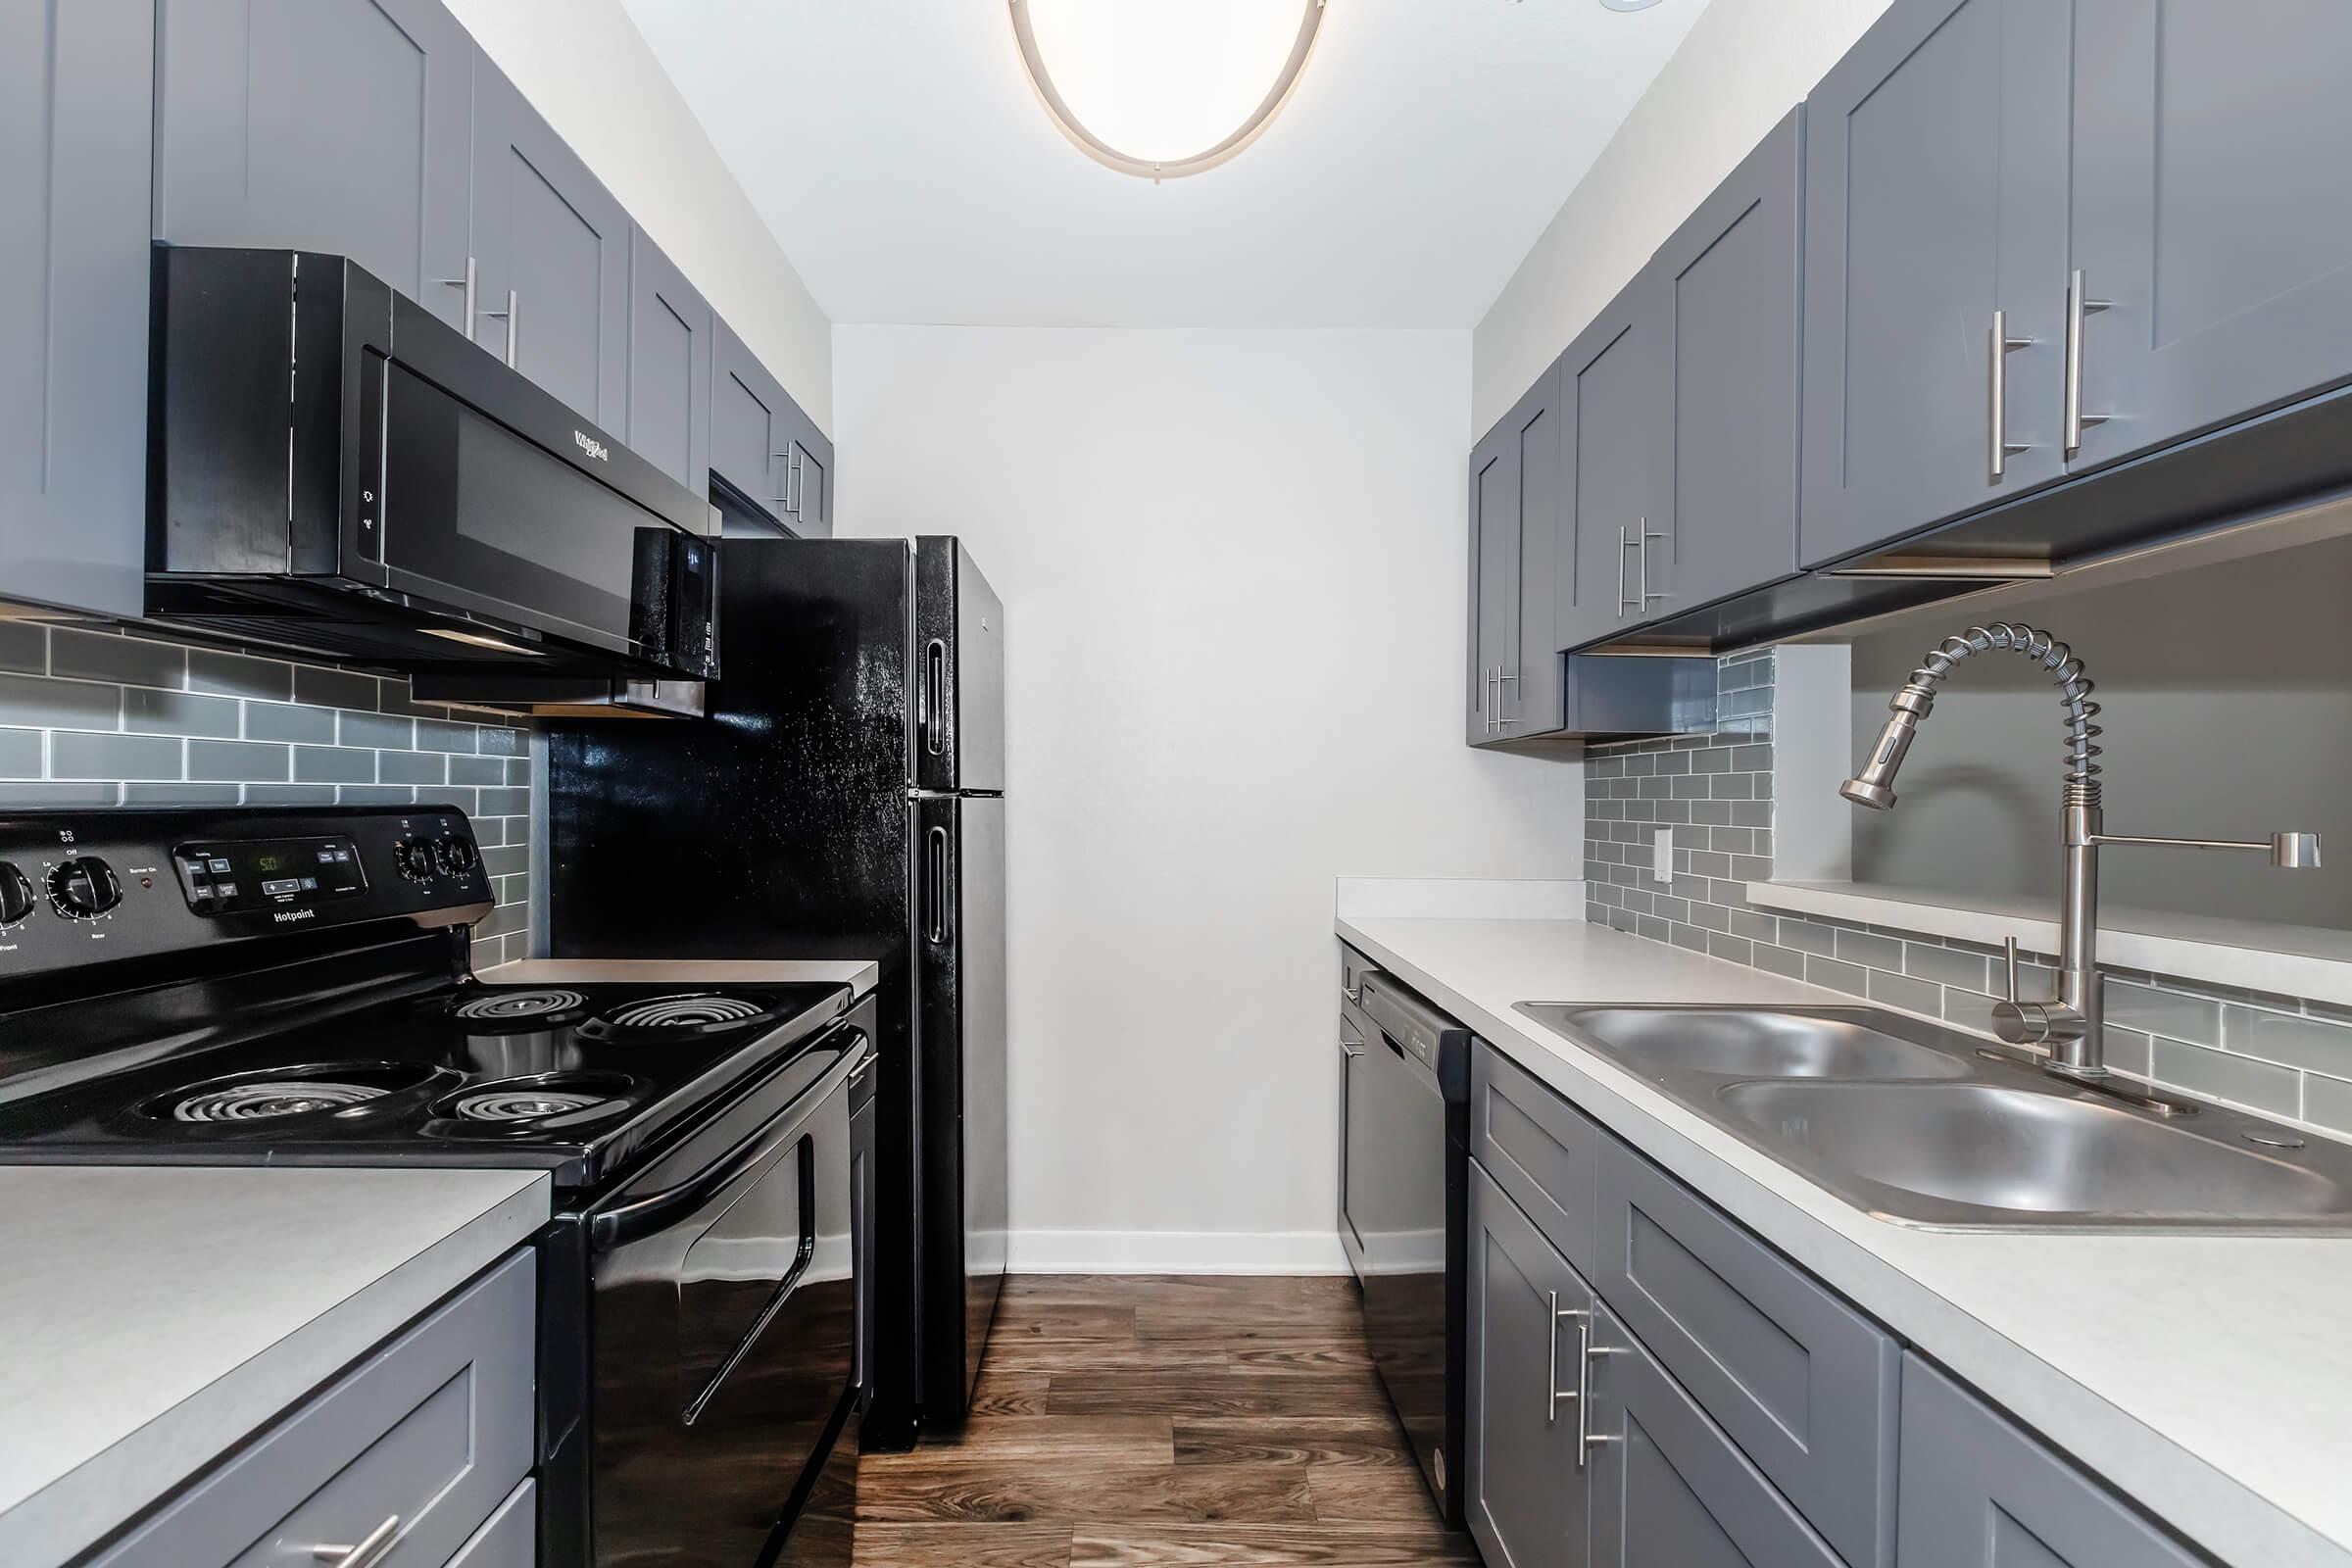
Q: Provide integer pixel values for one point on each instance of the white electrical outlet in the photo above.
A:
(1661, 855)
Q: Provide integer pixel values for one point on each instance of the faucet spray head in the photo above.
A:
(1874, 786)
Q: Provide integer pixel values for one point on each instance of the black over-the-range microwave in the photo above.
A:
(334, 470)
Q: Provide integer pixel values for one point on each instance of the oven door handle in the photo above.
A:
(615, 1228)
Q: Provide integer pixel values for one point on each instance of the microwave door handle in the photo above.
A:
(615, 1228)
(805, 1164)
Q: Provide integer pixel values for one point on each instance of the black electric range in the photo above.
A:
(285, 986)
(576, 1079)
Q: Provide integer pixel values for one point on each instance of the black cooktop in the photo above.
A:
(574, 1079)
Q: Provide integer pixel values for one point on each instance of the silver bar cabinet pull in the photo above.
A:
(1553, 1393)
(2077, 305)
(367, 1554)
(2003, 346)
(509, 316)
(1646, 537)
(1624, 543)
(470, 285)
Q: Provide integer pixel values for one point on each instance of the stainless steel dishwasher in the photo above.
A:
(1404, 1115)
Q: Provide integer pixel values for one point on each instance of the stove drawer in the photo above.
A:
(408, 1454)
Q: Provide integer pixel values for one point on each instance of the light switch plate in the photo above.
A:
(1661, 855)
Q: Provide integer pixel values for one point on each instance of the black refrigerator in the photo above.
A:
(842, 797)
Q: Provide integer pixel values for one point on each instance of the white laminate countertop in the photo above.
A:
(859, 975)
(2209, 1378)
(153, 1317)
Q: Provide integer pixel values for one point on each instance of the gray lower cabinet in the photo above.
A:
(421, 1442)
(1514, 534)
(510, 1538)
(1980, 1492)
(336, 125)
(551, 247)
(1542, 1151)
(75, 86)
(2201, 147)
(1667, 1486)
(1805, 1384)
(1935, 197)
(670, 328)
(1529, 1313)
(1616, 454)
(1730, 285)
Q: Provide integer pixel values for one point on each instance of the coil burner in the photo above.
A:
(519, 1009)
(701, 1012)
(543, 1102)
(279, 1094)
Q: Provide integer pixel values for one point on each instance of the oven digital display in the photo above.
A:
(277, 874)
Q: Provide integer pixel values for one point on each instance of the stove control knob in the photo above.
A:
(16, 895)
(462, 856)
(84, 888)
(414, 857)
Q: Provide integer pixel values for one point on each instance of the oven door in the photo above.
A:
(1392, 1208)
(725, 1321)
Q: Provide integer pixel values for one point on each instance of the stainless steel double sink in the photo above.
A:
(1930, 1127)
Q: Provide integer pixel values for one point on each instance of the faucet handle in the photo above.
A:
(2012, 965)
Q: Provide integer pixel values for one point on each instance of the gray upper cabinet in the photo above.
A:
(752, 426)
(670, 330)
(1668, 1485)
(805, 462)
(337, 126)
(75, 86)
(1935, 198)
(1980, 1492)
(2203, 151)
(1514, 531)
(1527, 1501)
(1731, 282)
(553, 250)
(1616, 454)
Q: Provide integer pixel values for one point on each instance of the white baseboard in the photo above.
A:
(1177, 1252)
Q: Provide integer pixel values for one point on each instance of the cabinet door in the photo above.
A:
(1667, 1486)
(1731, 282)
(1515, 522)
(552, 248)
(1527, 1499)
(806, 472)
(1978, 1493)
(336, 125)
(76, 84)
(748, 413)
(1494, 580)
(1935, 195)
(2204, 149)
(669, 368)
(1615, 450)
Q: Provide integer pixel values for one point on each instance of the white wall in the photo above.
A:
(1232, 569)
(1745, 64)
(585, 67)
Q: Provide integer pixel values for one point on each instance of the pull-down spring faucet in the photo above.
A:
(2066, 1026)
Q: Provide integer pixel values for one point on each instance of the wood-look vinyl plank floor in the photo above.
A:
(1162, 1423)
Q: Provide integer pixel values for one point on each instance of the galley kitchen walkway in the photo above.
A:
(1126, 1422)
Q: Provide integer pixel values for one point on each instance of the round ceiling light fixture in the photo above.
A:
(1629, 5)
(1164, 88)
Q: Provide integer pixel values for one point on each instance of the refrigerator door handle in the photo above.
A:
(935, 884)
(933, 696)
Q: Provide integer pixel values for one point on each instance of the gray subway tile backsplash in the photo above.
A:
(2274, 1054)
(97, 719)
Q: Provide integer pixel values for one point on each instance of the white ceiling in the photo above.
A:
(896, 150)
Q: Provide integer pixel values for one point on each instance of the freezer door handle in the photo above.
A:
(935, 884)
(933, 697)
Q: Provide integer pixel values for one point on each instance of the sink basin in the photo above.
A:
(1757, 1042)
(1928, 1126)
(1973, 1150)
